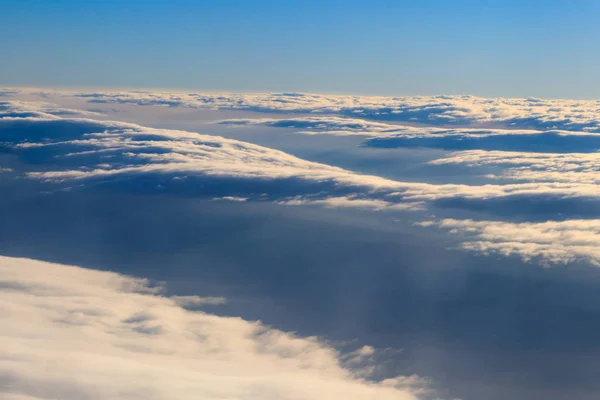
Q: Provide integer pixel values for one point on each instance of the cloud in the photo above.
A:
(465, 110)
(442, 110)
(36, 109)
(547, 242)
(127, 156)
(545, 167)
(342, 201)
(73, 333)
(355, 202)
(82, 152)
(328, 125)
(8, 92)
(384, 135)
(231, 198)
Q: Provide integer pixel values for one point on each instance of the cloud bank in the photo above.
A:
(544, 167)
(570, 115)
(80, 150)
(64, 148)
(73, 333)
(466, 110)
(551, 241)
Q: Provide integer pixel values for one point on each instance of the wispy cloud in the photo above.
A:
(329, 125)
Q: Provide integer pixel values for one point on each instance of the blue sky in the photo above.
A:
(490, 48)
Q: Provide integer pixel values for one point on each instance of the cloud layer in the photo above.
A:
(528, 113)
(76, 149)
(551, 241)
(544, 167)
(73, 333)
(571, 115)
(384, 135)
(67, 148)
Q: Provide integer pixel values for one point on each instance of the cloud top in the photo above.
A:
(73, 333)
(571, 115)
(550, 242)
(63, 148)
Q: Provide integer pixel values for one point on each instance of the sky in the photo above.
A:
(206, 200)
(490, 48)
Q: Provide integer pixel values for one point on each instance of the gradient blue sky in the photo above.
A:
(490, 48)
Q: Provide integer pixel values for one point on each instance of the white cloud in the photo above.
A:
(572, 115)
(546, 167)
(73, 333)
(231, 170)
(342, 126)
(341, 201)
(37, 109)
(550, 242)
(464, 110)
(355, 202)
(231, 198)
(91, 151)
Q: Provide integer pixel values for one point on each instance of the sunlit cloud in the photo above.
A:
(544, 167)
(63, 148)
(571, 115)
(73, 333)
(557, 242)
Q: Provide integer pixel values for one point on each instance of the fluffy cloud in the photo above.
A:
(571, 115)
(73, 333)
(548, 242)
(91, 152)
(65, 151)
(465, 110)
(546, 167)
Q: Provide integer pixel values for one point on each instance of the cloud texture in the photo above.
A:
(555, 183)
(571, 115)
(551, 241)
(80, 150)
(73, 333)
